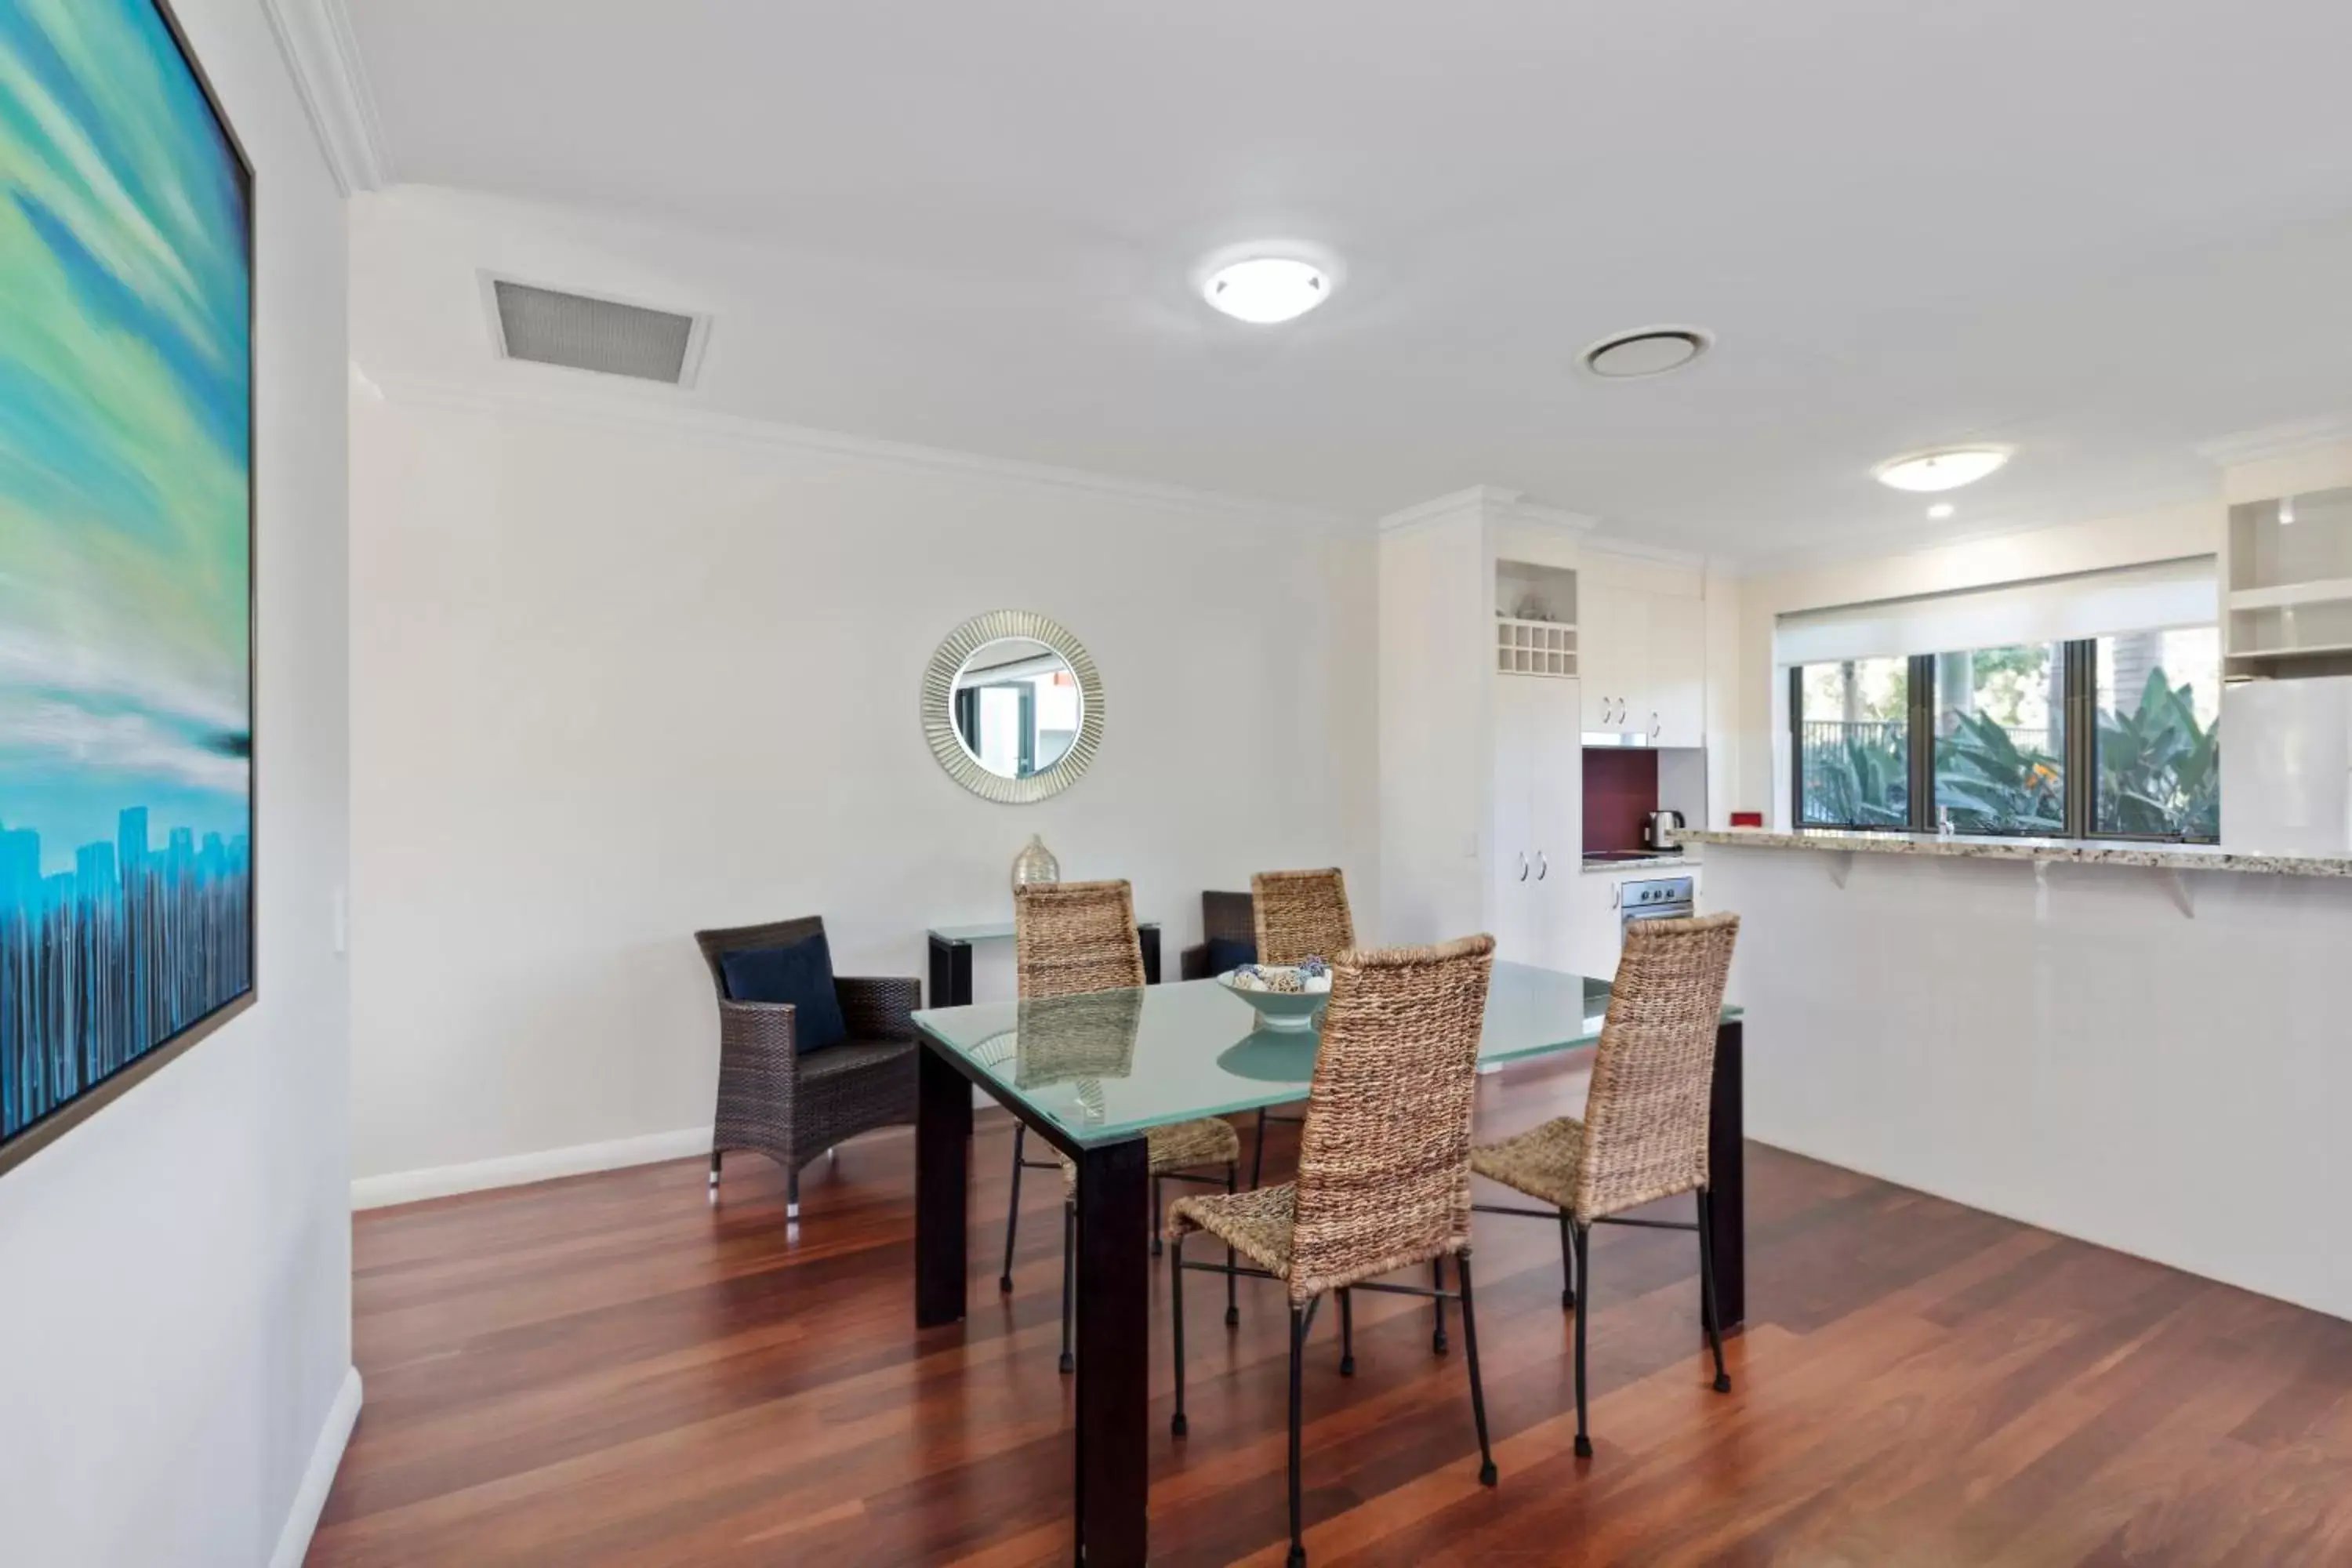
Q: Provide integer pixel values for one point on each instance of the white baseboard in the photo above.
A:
(514, 1170)
(318, 1476)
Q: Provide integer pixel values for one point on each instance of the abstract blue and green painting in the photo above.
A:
(126, 571)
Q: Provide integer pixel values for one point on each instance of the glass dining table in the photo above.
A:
(1092, 1074)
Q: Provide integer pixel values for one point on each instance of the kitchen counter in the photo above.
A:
(2041, 851)
(1669, 861)
(2079, 1036)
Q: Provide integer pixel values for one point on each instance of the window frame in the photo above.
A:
(2079, 677)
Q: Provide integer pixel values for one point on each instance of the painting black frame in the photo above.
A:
(38, 1135)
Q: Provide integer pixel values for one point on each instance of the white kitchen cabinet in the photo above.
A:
(1675, 671)
(1644, 664)
(1539, 821)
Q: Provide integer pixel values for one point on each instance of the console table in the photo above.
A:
(951, 958)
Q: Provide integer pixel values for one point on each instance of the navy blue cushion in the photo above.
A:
(801, 975)
(1227, 953)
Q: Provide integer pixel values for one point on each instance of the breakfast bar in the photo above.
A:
(2137, 1044)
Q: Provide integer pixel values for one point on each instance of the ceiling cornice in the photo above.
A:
(2288, 440)
(737, 430)
(323, 52)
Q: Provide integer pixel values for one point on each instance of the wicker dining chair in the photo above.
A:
(1297, 915)
(1643, 1133)
(790, 1107)
(1070, 938)
(1383, 1166)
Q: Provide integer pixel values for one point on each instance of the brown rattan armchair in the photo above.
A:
(1383, 1167)
(792, 1108)
(1643, 1136)
(1224, 917)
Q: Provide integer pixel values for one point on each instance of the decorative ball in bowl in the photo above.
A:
(1286, 997)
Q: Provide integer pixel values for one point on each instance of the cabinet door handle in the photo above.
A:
(1542, 866)
(1523, 864)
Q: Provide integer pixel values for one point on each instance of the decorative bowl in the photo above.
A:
(1286, 996)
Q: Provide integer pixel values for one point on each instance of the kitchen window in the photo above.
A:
(2116, 736)
(1852, 720)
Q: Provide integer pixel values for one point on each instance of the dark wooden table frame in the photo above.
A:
(1114, 1266)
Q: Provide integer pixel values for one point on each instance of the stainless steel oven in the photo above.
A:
(1657, 898)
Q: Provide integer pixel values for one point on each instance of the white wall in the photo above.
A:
(1758, 747)
(619, 676)
(175, 1272)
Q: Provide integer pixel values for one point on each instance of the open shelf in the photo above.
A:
(2324, 591)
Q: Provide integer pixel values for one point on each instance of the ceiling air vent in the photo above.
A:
(581, 331)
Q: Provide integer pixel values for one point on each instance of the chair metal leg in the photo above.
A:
(1258, 1155)
(1155, 1222)
(1232, 1305)
(1437, 1278)
(1583, 1311)
(1346, 1335)
(1486, 1472)
(1708, 1308)
(1567, 1261)
(1297, 1405)
(1176, 1426)
(1069, 1270)
(714, 1176)
(793, 1195)
(1013, 1210)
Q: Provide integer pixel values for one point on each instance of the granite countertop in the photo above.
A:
(2078, 851)
(1666, 860)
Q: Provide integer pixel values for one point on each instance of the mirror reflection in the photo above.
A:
(1018, 707)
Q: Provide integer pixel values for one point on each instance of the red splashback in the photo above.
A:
(1621, 789)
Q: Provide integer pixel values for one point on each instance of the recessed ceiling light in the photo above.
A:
(1947, 469)
(1264, 290)
(1650, 350)
(1940, 510)
(2286, 512)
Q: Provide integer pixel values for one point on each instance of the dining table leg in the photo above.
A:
(943, 1158)
(1726, 1166)
(1113, 1391)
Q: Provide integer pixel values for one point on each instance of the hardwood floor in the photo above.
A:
(606, 1371)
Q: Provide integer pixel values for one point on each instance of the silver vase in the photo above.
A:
(1036, 863)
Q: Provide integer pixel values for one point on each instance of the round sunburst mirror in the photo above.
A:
(1013, 708)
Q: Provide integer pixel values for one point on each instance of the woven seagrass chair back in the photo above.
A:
(1301, 914)
(1384, 1158)
(1645, 1115)
(1072, 937)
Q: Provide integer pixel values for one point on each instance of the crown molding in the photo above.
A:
(323, 52)
(702, 423)
(2289, 441)
(1492, 503)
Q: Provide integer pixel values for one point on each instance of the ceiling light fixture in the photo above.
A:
(1947, 470)
(1942, 508)
(1649, 351)
(1264, 290)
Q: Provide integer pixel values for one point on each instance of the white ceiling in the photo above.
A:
(2107, 231)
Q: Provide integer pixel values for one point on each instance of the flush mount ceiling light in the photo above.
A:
(1264, 290)
(1649, 351)
(1947, 469)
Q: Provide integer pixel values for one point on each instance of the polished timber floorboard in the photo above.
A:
(606, 1371)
